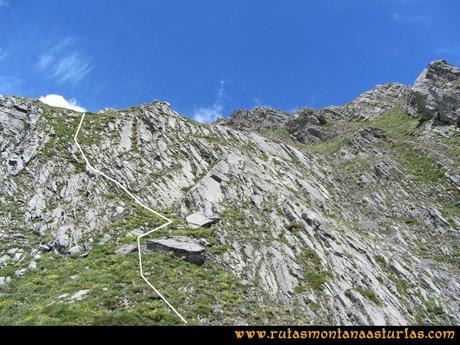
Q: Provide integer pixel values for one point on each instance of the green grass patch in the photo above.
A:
(370, 295)
(396, 123)
(63, 124)
(314, 276)
(420, 165)
(117, 295)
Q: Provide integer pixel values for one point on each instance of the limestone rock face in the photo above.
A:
(305, 126)
(436, 93)
(364, 140)
(259, 118)
(343, 215)
(375, 101)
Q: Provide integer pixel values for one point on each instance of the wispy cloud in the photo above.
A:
(9, 85)
(73, 68)
(64, 63)
(213, 112)
(312, 100)
(4, 3)
(404, 18)
(61, 102)
(44, 60)
(2, 54)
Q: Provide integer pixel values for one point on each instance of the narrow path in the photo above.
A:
(139, 202)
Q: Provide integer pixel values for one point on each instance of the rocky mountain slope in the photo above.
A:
(343, 215)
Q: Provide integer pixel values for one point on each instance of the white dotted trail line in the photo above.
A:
(168, 221)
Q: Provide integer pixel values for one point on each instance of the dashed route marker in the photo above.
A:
(139, 202)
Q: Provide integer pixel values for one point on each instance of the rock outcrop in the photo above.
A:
(259, 118)
(375, 101)
(436, 94)
(182, 247)
(305, 126)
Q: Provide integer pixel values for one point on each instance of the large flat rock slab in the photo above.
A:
(199, 219)
(185, 248)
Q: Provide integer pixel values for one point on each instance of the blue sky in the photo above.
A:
(209, 57)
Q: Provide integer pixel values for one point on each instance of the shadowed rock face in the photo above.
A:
(305, 126)
(259, 118)
(342, 215)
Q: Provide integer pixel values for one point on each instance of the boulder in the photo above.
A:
(199, 219)
(185, 248)
(4, 281)
(126, 249)
(20, 273)
(32, 265)
(4, 260)
(436, 94)
(78, 296)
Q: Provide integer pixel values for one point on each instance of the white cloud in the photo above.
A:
(208, 114)
(4, 3)
(213, 112)
(61, 102)
(64, 64)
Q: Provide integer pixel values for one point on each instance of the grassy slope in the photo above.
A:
(417, 156)
(114, 279)
(117, 294)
